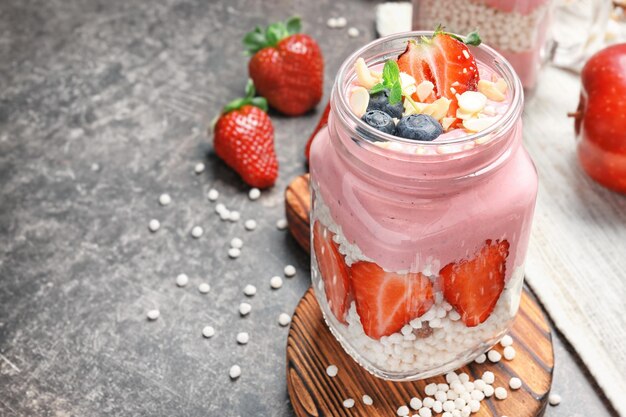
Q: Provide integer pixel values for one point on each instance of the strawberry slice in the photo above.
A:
(444, 61)
(473, 286)
(333, 270)
(386, 301)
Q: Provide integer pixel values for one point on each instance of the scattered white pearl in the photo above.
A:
(249, 290)
(477, 395)
(441, 396)
(182, 280)
(443, 387)
(353, 33)
(515, 383)
(425, 412)
(234, 252)
(481, 358)
(501, 393)
(225, 215)
(331, 23)
(204, 288)
(154, 225)
(447, 414)
(437, 407)
(208, 332)
(236, 243)
(153, 314)
(428, 402)
(509, 353)
(276, 282)
(341, 22)
(449, 406)
(197, 232)
(506, 340)
(488, 377)
(250, 224)
(466, 411)
(284, 319)
(479, 384)
(235, 372)
(332, 371)
(430, 389)
(244, 309)
(415, 403)
(290, 271)
(367, 400)
(403, 411)
(220, 208)
(459, 403)
(165, 199)
(488, 391)
(451, 377)
(281, 224)
(464, 377)
(234, 216)
(199, 168)
(494, 356)
(348, 403)
(213, 194)
(243, 338)
(554, 399)
(95, 167)
(474, 406)
(254, 194)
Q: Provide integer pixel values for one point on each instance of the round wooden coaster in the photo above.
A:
(311, 348)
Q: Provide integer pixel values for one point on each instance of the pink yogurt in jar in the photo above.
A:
(418, 248)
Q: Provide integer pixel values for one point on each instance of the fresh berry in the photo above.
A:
(386, 301)
(419, 127)
(287, 67)
(380, 120)
(444, 60)
(473, 286)
(320, 125)
(380, 101)
(333, 270)
(244, 139)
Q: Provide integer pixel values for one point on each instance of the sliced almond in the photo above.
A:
(363, 74)
(424, 89)
(472, 101)
(359, 99)
(460, 114)
(478, 125)
(501, 85)
(446, 122)
(490, 90)
(438, 108)
(408, 84)
(413, 108)
(490, 111)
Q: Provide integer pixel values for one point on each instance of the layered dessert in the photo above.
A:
(517, 29)
(422, 204)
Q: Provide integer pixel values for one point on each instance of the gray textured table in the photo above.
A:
(104, 106)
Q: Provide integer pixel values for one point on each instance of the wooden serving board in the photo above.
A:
(311, 348)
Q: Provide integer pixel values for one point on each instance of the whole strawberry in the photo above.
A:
(287, 67)
(244, 139)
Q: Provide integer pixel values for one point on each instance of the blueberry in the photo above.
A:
(419, 127)
(380, 101)
(380, 120)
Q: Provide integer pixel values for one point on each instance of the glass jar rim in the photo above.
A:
(373, 135)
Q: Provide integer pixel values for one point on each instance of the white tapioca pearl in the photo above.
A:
(154, 225)
(459, 403)
(435, 323)
(466, 411)
(225, 215)
(235, 372)
(494, 356)
(447, 414)
(276, 282)
(153, 314)
(331, 22)
(451, 377)
(449, 405)
(208, 332)
(415, 403)
(290, 271)
(430, 389)
(488, 391)
(452, 395)
(165, 199)
(428, 402)
(353, 32)
(479, 384)
(515, 383)
(509, 353)
(281, 224)
(284, 319)
(182, 280)
(500, 393)
(199, 168)
(341, 22)
(254, 194)
(403, 411)
(250, 224)
(243, 338)
(204, 288)
(441, 396)
(481, 358)
(554, 399)
(348, 403)
(367, 400)
(332, 371)
(469, 386)
(477, 395)
(213, 194)
(474, 406)
(464, 377)
(234, 253)
(443, 387)
(234, 216)
(406, 330)
(197, 232)
(488, 377)
(425, 412)
(466, 396)
(454, 316)
(458, 387)
(244, 309)
(236, 243)
(220, 208)
(416, 323)
(437, 407)
(249, 290)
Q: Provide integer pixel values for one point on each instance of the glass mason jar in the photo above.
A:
(418, 248)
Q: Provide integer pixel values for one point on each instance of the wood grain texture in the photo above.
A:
(311, 348)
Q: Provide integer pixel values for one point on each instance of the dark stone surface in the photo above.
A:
(104, 105)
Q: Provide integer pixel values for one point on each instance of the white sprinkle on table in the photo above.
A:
(348, 403)
(234, 252)
(213, 194)
(204, 288)
(415, 403)
(332, 371)
(554, 399)
(481, 358)
(220, 208)
(165, 199)
(250, 224)
(290, 271)
(254, 194)
(331, 22)
(208, 332)
(281, 224)
(154, 225)
(494, 356)
(244, 309)
(488, 377)
(235, 372)
(430, 389)
(506, 340)
(425, 412)
(196, 232)
(367, 400)
(153, 314)
(276, 282)
(428, 402)
(199, 168)
(284, 319)
(236, 243)
(353, 32)
(182, 280)
(225, 215)
(341, 22)
(403, 411)
(501, 393)
(509, 353)
(243, 338)
(249, 290)
(515, 383)
(234, 216)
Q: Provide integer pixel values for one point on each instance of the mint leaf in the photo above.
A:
(395, 92)
(473, 39)
(293, 25)
(377, 88)
(391, 73)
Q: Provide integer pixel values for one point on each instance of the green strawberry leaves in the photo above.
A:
(250, 99)
(259, 38)
(391, 82)
(472, 38)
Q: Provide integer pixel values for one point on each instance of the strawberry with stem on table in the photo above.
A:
(244, 139)
(287, 67)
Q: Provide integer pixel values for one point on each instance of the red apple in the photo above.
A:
(601, 118)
